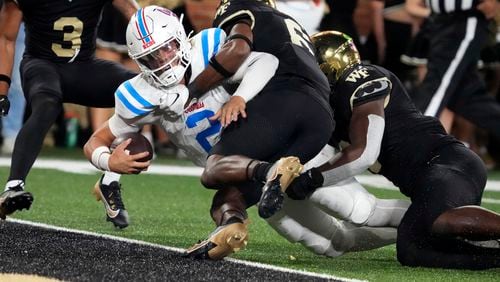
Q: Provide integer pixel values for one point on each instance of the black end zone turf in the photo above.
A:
(78, 257)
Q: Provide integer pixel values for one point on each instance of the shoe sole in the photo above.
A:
(111, 218)
(288, 169)
(16, 202)
(273, 192)
(226, 241)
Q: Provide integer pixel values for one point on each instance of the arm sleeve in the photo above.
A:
(119, 126)
(254, 74)
(370, 154)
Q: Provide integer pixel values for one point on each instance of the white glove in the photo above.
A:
(173, 100)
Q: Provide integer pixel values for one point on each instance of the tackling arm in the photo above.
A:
(365, 131)
(252, 76)
(230, 57)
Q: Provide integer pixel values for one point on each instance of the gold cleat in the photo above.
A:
(96, 191)
(281, 175)
(288, 169)
(225, 240)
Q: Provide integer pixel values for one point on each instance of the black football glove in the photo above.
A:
(305, 184)
(4, 105)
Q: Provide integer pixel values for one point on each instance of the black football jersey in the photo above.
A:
(280, 35)
(61, 30)
(409, 137)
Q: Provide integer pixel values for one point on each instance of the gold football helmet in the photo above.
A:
(335, 52)
(270, 3)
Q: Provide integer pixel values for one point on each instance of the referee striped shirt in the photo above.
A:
(451, 6)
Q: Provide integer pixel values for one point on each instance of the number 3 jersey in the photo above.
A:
(59, 30)
(137, 104)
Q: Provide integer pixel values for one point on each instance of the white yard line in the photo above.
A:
(84, 167)
(179, 250)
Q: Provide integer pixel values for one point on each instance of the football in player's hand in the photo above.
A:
(138, 144)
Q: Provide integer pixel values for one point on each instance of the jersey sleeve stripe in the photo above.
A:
(204, 46)
(128, 105)
(216, 41)
(137, 96)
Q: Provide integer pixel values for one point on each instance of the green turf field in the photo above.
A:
(173, 210)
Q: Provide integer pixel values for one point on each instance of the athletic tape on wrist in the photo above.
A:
(100, 158)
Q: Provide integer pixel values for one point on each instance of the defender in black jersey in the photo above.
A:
(289, 117)
(379, 128)
(58, 66)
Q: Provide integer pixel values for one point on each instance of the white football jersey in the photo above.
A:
(137, 104)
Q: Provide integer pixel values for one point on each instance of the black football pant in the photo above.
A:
(283, 120)
(47, 86)
(454, 177)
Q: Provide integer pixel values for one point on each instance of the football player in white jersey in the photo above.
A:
(167, 59)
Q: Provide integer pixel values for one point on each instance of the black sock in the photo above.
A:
(260, 171)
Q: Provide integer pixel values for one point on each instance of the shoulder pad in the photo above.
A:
(371, 90)
(229, 12)
(205, 44)
(136, 97)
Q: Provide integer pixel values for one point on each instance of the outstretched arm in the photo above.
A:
(252, 76)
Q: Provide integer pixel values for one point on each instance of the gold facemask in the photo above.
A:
(335, 52)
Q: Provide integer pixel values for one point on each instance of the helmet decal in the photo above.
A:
(143, 30)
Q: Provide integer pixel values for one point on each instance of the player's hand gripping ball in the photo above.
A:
(138, 144)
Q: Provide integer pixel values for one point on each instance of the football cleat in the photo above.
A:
(223, 241)
(14, 199)
(110, 195)
(281, 175)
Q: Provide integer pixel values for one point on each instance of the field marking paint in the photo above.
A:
(84, 167)
(177, 250)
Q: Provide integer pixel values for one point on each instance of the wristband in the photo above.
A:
(219, 68)
(5, 78)
(100, 158)
(241, 36)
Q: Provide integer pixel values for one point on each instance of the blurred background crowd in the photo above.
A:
(392, 33)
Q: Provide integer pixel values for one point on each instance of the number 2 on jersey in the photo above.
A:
(192, 121)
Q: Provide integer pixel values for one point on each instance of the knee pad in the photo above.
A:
(347, 200)
(363, 208)
(294, 232)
